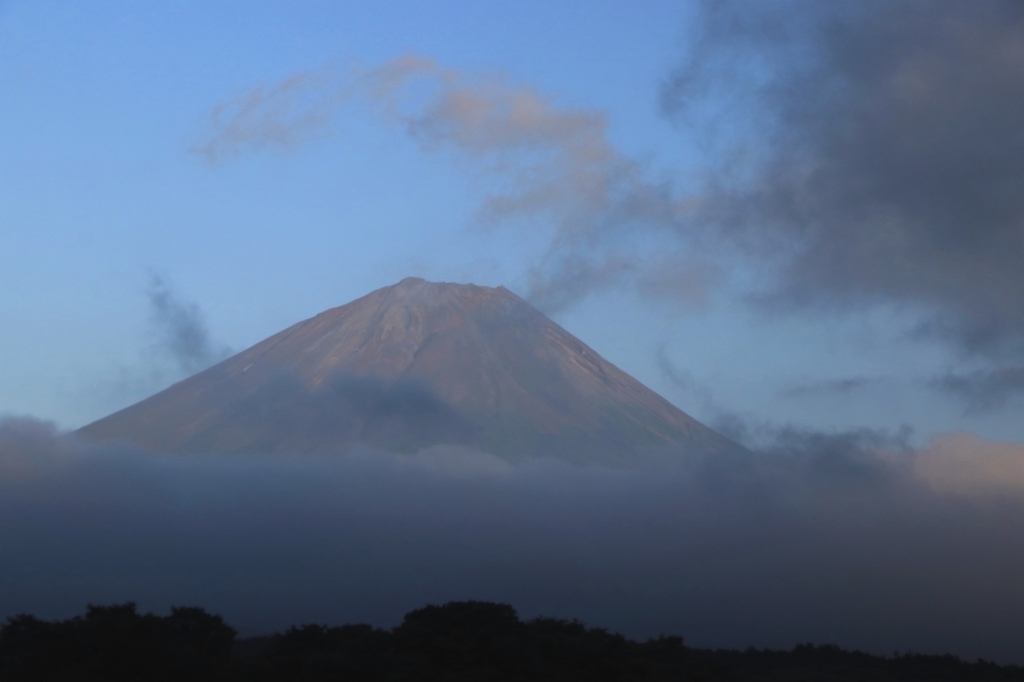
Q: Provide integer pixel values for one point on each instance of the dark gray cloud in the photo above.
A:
(395, 416)
(795, 441)
(686, 383)
(841, 386)
(816, 538)
(181, 329)
(984, 390)
(873, 151)
(178, 345)
(682, 379)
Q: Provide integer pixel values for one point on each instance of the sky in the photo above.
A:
(800, 222)
(639, 174)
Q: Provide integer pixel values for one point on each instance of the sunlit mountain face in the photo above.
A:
(411, 366)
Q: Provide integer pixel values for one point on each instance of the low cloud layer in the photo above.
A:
(964, 464)
(847, 538)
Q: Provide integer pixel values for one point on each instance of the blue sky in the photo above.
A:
(105, 189)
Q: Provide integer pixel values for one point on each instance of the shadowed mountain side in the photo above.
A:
(410, 366)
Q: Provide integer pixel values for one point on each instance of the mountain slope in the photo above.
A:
(409, 366)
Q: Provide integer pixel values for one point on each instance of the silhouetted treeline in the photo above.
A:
(117, 643)
(458, 641)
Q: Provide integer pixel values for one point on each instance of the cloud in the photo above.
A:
(687, 383)
(342, 408)
(848, 155)
(544, 160)
(827, 538)
(869, 153)
(983, 390)
(29, 447)
(281, 116)
(179, 345)
(181, 329)
(964, 464)
(841, 386)
(813, 447)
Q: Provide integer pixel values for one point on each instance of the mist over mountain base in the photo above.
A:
(847, 546)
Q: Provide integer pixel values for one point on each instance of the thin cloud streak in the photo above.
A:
(181, 329)
(984, 391)
(281, 116)
(551, 162)
(179, 345)
(843, 386)
(685, 382)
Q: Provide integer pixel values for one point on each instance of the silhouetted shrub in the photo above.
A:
(114, 643)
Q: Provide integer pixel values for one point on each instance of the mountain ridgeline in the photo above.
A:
(412, 366)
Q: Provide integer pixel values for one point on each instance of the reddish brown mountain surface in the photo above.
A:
(411, 366)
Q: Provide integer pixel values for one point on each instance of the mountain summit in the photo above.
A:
(410, 366)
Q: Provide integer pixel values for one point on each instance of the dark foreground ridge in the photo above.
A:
(458, 641)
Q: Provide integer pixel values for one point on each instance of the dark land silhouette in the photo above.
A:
(458, 641)
(411, 366)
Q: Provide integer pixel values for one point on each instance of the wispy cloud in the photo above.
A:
(281, 116)
(857, 154)
(984, 390)
(835, 387)
(550, 161)
(177, 344)
(181, 329)
(685, 382)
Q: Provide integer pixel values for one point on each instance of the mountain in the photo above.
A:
(410, 366)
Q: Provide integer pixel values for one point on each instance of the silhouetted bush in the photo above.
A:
(116, 643)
